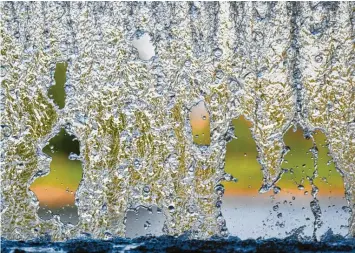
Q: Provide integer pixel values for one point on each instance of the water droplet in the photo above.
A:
(108, 235)
(221, 221)
(147, 224)
(219, 74)
(318, 58)
(346, 209)
(73, 156)
(315, 191)
(218, 52)
(137, 163)
(219, 189)
(5, 131)
(171, 208)
(104, 207)
(146, 189)
(277, 189)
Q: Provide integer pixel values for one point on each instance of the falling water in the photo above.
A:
(278, 64)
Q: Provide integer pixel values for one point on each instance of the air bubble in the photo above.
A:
(318, 58)
(219, 74)
(218, 52)
(146, 189)
(5, 131)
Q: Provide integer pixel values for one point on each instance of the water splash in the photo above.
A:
(131, 116)
(329, 243)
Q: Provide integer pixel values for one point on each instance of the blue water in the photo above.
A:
(329, 243)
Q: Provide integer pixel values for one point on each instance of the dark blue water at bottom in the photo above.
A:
(172, 244)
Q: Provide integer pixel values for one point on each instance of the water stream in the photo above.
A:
(215, 113)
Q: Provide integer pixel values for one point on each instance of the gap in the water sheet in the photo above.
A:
(56, 191)
(200, 124)
(249, 214)
(144, 221)
(57, 91)
(310, 177)
(143, 43)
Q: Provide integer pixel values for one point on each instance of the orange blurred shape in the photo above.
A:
(200, 124)
(231, 190)
(53, 197)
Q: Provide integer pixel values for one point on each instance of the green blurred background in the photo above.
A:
(57, 189)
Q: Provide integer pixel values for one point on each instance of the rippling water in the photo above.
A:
(329, 243)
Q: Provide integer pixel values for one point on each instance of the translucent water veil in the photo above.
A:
(279, 65)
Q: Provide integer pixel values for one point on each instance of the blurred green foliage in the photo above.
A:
(57, 91)
(299, 163)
